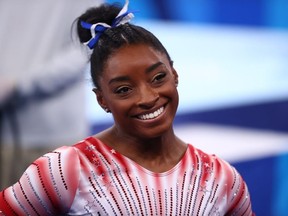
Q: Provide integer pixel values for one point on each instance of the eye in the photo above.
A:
(122, 90)
(159, 77)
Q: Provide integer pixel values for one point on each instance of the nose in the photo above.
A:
(148, 96)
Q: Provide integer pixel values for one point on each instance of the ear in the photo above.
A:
(100, 99)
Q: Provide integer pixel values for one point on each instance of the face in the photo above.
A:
(139, 87)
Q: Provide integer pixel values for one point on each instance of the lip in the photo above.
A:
(151, 115)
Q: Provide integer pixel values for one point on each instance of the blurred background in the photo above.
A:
(231, 57)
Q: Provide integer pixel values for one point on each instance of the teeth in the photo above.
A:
(152, 115)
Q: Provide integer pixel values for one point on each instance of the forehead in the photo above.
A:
(134, 57)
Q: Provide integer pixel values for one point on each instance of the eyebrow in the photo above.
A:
(119, 79)
(154, 66)
(126, 78)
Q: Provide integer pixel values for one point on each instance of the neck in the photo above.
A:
(146, 145)
(157, 154)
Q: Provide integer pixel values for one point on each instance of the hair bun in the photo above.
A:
(105, 13)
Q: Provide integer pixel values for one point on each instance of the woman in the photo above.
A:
(138, 166)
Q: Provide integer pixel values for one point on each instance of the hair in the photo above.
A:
(113, 38)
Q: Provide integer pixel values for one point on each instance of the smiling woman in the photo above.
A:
(141, 94)
(138, 166)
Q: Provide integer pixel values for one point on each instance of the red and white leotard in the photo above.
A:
(90, 178)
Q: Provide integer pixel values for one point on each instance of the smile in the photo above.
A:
(151, 115)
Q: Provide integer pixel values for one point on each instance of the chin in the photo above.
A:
(154, 132)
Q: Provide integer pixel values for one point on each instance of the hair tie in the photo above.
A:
(97, 29)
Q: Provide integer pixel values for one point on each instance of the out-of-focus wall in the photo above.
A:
(37, 54)
(42, 81)
(256, 13)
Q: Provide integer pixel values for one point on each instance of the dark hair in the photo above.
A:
(113, 38)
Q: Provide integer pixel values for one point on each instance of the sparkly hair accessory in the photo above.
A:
(97, 29)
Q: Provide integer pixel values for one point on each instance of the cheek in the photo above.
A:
(173, 92)
(176, 96)
(120, 108)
